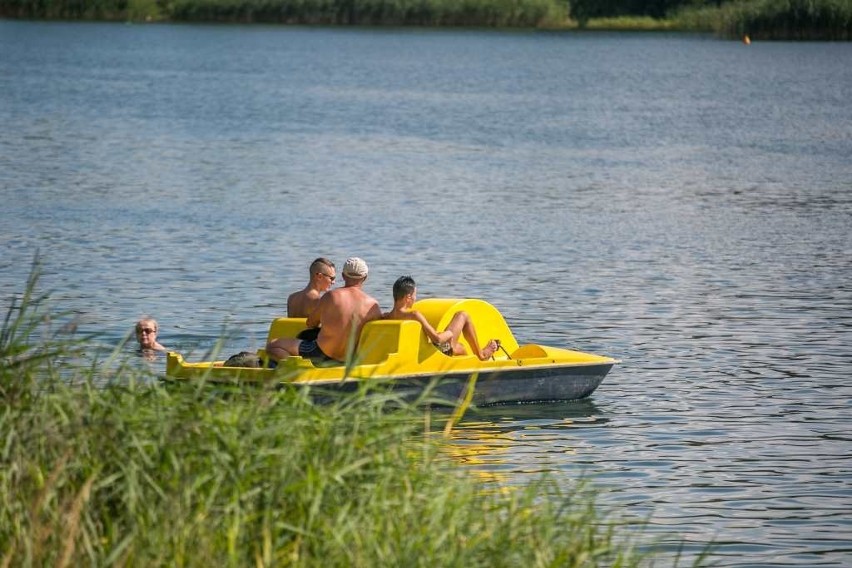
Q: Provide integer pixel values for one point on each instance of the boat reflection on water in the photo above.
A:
(492, 440)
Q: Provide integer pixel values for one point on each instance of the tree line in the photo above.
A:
(487, 13)
(760, 19)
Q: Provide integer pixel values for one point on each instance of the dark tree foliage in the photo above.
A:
(583, 10)
(759, 19)
(792, 19)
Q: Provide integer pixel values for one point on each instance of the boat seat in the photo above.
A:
(381, 338)
(281, 327)
(285, 327)
(487, 320)
(378, 339)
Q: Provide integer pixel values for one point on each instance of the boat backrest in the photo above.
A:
(381, 338)
(281, 327)
(378, 338)
(285, 327)
(487, 320)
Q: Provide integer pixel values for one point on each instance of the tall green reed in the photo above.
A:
(138, 474)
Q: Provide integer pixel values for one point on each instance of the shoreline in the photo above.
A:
(626, 24)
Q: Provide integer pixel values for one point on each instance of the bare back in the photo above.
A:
(342, 313)
(302, 303)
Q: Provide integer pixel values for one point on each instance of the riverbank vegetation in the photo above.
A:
(759, 19)
(477, 13)
(790, 19)
(129, 472)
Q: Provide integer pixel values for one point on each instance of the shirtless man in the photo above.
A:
(341, 313)
(447, 341)
(322, 275)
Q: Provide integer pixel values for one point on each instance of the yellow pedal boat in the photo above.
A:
(398, 352)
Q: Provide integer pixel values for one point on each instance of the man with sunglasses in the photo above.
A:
(340, 315)
(321, 276)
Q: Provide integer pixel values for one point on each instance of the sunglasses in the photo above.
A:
(146, 330)
(330, 277)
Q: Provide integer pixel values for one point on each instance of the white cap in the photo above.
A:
(355, 268)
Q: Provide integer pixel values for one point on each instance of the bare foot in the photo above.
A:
(489, 349)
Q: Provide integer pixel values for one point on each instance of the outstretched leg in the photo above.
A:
(282, 347)
(462, 324)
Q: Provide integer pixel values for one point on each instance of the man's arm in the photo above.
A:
(430, 331)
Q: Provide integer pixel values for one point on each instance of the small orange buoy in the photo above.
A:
(746, 40)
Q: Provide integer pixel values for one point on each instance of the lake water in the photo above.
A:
(678, 202)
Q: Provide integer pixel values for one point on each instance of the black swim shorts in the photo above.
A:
(308, 334)
(310, 350)
(446, 348)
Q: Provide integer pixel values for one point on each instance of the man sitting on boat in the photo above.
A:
(447, 341)
(301, 304)
(340, 315)
(321, 276)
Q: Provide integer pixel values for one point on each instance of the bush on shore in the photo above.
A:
(771, 19)
(787, 19)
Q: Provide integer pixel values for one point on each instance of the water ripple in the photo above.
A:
(694, 225)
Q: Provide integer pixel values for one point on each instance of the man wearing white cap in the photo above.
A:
(340, 314)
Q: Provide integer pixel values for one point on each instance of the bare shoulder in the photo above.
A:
(374, 311)
(418, 316)
(332, 296)
(295, 303)
(356, 294)
(300, 304)
(398, 315)
(307, 294)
